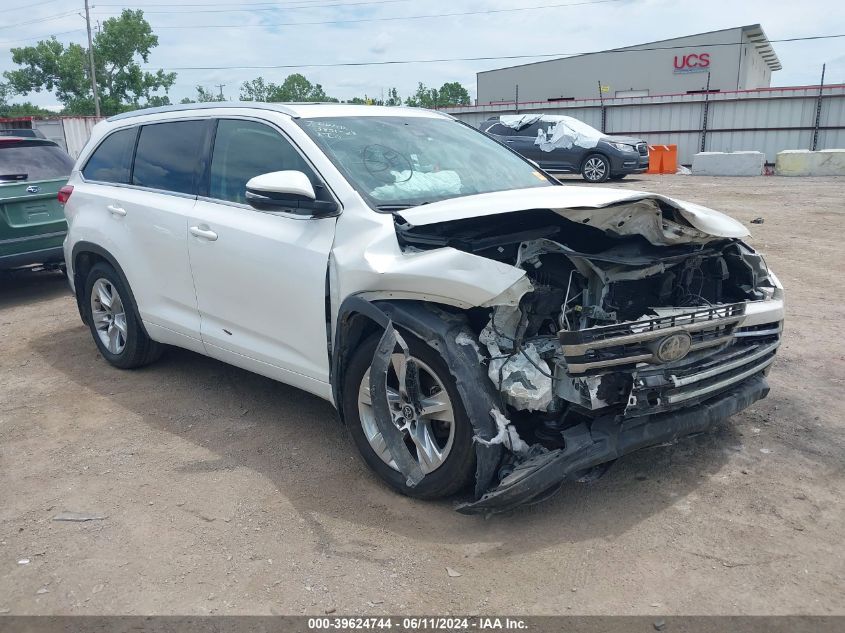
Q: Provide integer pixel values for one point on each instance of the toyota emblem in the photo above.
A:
(673, 347)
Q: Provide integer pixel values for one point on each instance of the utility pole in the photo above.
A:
(818, 113)
(706, 113)
(220, 87)
(603, 111)
(91, 61)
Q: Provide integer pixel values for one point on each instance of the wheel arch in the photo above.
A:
(432, 323)
(84, 257)
(592, 153)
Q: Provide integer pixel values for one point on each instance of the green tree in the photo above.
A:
(423, 98)
(5, 95)
(122, 83)
(204, 95)
(257, 90)
(18, 109)
(295, 87)
(451, 93)
(393, 98)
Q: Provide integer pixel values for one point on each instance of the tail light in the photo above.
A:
(64, 194)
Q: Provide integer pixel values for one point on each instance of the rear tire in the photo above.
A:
(115, 327)
(456, 470)
(596, 168)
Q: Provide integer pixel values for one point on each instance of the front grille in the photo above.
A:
(598, 348)
(661, 389)
(596, 363)
(642, 148)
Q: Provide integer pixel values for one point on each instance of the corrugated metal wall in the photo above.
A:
(70, 132)
(77, 130)
(767, 120)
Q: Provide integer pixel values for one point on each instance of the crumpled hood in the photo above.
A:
(619, 211)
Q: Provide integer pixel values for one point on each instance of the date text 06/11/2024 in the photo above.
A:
(417, 623)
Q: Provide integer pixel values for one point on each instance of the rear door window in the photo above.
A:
(112, 160)
(33, 160)
(168, 156)
(245, 149)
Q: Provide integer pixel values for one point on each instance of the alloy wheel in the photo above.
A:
(595, 169)
(109, 315)
(428, 427)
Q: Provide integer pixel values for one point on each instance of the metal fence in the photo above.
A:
(766, 120)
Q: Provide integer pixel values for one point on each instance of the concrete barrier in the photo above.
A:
(728, 164)
(803, 162)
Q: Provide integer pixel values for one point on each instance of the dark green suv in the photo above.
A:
(32, 221)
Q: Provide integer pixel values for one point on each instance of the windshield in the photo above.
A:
(580, 127)
(397, 162)
(31, 160)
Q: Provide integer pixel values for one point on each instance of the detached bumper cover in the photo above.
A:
(606, 439)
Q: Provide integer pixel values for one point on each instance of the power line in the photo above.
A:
(278, 3)
(37, 20)
(392, 18)
(41, 37)
(34, 4)
(256, 7)
(489, 58)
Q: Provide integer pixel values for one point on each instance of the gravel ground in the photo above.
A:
(224, 492)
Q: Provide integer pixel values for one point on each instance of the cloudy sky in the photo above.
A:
(209, 33)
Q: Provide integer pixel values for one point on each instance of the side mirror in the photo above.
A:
(289, 191)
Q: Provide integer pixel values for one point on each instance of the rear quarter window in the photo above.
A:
(168, 156)
(498, 129)
(33, 161)
(112, 160)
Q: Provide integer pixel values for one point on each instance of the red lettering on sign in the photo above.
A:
(693, 60)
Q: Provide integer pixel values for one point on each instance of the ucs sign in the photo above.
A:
(692, 63)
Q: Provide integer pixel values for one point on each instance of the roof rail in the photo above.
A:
(185, 107)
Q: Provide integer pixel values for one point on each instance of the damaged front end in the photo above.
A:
(637, 322)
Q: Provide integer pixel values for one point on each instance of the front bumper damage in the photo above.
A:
(633, 325)
(605, 439)
(725, 385)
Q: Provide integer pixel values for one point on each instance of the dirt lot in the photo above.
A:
(225, 492)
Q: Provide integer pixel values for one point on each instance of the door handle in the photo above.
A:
(510, 141)
(206, 234)
(116, 210)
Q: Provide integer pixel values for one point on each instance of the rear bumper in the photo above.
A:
(607, 438)
(44, 256)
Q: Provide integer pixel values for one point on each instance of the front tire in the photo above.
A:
(114, 325)
(596, 168)
(440, 442)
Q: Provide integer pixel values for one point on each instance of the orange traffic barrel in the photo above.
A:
(670, 160)
(662, 159)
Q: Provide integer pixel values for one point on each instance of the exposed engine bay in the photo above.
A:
(632, 312)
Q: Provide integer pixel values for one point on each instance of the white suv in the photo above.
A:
(472, 320)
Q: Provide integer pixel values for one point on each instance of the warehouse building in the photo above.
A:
(740, 58)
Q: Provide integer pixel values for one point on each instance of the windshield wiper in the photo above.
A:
(400, 207)
(14, 176)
